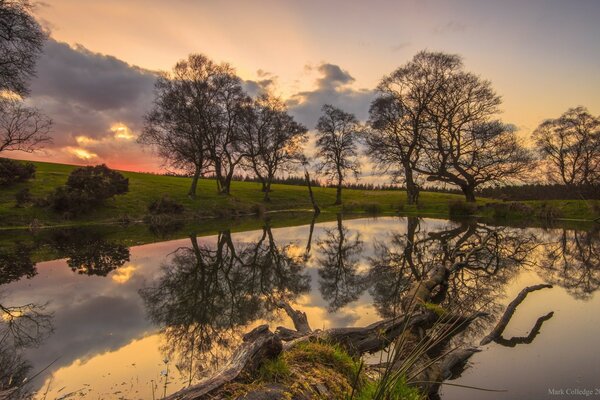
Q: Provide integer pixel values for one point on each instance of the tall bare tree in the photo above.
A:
(195, 119)
(398, 116)
(571, 146)
(338, 133)
(270, 139)
(464, 145)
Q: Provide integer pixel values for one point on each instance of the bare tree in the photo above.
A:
(571, 146)
(398, 116)
(270, 139)
(337, 138)
(21, 42)
(464, 145)
(175, 126)
(195, 120)
(22, 128)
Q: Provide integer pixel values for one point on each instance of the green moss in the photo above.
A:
(275, 370)
(330, 355)
(436, 308)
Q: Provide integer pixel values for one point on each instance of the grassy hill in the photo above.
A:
(245, 198)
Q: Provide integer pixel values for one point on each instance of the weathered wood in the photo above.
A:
(258, 345)
(298, 318)
(510, 310)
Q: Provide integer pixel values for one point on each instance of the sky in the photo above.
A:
(96, 76)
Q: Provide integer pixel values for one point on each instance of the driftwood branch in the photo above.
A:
(512, 342)
(258, 345)
(510, 310)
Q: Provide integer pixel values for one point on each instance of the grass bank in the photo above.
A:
(246, 198)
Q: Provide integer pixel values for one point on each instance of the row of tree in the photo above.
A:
(431, 121)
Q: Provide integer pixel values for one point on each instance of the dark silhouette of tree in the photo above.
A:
(177, 124)
(270, 139)
(14, 371)
(436, 120)
(337, 139)
(195, 122)
(570, 145)
(89, 254)
(465, 145)
(208, 294)
(399, 116)
(22, 128)
(340, 282)
(21, 42)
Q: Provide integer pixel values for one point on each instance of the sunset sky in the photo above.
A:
(95, 79)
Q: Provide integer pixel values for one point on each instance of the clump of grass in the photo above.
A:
(275, 370)
(507, 210)
(165, 205)
(354, 206)
(400, 390)
(549, 212)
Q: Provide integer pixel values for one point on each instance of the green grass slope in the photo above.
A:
(245, 198)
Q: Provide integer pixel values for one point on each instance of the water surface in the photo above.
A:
(111, 321)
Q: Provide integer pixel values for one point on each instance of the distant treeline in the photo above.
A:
(543, 192)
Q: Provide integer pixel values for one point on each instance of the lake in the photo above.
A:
(110, 320)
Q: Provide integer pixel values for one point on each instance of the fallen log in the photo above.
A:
(510, 310)
(258, 345)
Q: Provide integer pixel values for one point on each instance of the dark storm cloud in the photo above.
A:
(85, 93)
(92, 80)
(332, 87)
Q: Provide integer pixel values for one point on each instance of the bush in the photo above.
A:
(12, 171)
(165, 205)
(506, 210)
(23, 197)
(459, 208)
(86, 188)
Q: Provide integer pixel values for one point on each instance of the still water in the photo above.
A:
(104, 320)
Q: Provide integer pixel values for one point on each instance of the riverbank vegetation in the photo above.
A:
(246, 198)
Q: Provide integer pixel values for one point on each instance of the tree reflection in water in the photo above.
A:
(340, 282)
(21, 326)
(572, 260)
(88, 253)
(209, 294)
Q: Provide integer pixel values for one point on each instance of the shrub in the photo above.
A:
(12, 171)
(23, 197)
(98, 181)
(459, 208)
(165, 205)
(86, 188)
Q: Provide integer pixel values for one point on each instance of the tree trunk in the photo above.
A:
(267, 191)
(469, 192)
(412, 189)
(192, 191)
(338, 194)
(310, 192)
